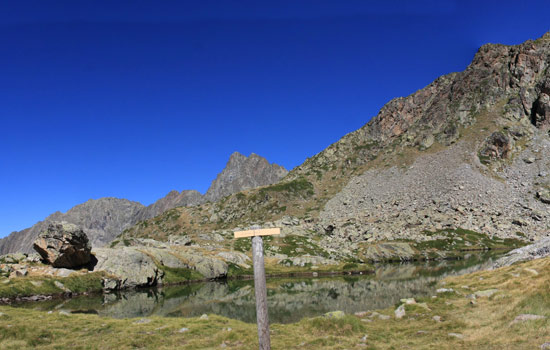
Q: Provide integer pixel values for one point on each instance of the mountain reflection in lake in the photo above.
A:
(289, 299)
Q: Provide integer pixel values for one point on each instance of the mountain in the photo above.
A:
(468, 151)
(171, 200)
(105, 218)
(242, 173)
(102, 219)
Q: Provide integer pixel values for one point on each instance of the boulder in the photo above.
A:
(63, 245)
(539, 249)
(496, 146)
(544, 196)
(400, 311)
(388, 251)
(236, 258)
(131, 267)
(209, 267)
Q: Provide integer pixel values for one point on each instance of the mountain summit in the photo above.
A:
(242, 173)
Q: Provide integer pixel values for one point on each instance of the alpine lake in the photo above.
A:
(289, 299)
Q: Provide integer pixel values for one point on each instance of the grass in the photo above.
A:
(284, 245)
(483, 325)
(27, 286)
(299, 186)
(289, 244)
(179, 275)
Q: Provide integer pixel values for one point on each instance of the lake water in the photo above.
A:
(289, 299)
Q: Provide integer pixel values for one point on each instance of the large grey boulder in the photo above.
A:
(63, 245)
(389, 251)
(208, 266)
(237, 258)
(163, 257)
(539, 249)
(131, 267)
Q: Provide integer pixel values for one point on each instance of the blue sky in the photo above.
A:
(132, 99)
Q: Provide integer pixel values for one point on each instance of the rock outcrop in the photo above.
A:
(63, 245)
(537, 250)
(130, 268)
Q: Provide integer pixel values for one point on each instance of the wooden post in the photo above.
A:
(261, 293)
(260, 288)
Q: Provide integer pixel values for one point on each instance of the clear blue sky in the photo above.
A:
(133, 98)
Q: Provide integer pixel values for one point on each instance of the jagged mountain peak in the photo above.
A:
(242, 172)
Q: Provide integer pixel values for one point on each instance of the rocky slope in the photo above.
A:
(171, 200)
(467, 151)
(105, 218)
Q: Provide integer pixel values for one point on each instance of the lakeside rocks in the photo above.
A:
(207, 266)
(526, 317)
(131, 267)
(63, 245)
(539, 249)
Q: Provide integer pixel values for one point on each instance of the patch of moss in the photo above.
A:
(243, 245)
(350, 266)
(464, 240)
(299, 186)
(234, 270)
(289, 244)
(179, 275)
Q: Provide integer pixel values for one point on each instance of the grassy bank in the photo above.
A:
(484, 323)
(46, 285)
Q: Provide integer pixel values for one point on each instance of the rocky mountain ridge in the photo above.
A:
(105, 218)
(467, 151)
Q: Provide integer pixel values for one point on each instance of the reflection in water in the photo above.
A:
(289, 299)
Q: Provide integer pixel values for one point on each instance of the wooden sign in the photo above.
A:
(258, 232)
(260, 289)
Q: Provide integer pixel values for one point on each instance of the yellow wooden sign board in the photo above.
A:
(258, 232)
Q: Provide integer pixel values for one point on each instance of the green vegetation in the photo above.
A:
(350, 266)
(243, 245)
(179, 275)
(27, 286)
(235, 271)
(445, 244)
(460, 240)
(289, 244)
(299, 186)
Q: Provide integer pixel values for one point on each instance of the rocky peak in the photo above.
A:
(514, 76)
(242, 173)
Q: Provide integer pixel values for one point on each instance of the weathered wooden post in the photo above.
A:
(260, 288)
